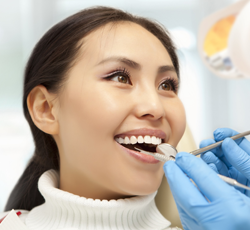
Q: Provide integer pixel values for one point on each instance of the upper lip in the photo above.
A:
(143, 132)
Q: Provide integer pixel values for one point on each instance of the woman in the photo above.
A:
(98, 84)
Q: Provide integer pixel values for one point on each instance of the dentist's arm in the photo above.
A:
(215, 205)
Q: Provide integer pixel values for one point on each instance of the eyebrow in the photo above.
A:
(136, 65)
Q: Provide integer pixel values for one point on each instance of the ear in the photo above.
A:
(42, 109)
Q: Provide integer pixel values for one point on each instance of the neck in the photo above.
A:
(85, 188)
(63, 210)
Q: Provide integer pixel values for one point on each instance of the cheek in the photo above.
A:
(100, 110)
(177, 120)
(87, 123)
(90, 115)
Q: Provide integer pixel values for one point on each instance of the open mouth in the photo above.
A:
(147, 143)
(144, 146)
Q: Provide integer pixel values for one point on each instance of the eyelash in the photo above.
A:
(174, 84)
(121, 71)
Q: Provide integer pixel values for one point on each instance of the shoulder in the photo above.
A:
(21, 213)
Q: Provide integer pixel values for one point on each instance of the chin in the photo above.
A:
(145, 191)
(144, 187)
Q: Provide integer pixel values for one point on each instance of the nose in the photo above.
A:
(149, 105)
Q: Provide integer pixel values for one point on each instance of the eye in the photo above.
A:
(169, 85)
(121, 79)
(165, 86)
(121, 76)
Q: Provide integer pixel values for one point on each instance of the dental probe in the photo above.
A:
(171, 157)
(209, 147)
(158, 156)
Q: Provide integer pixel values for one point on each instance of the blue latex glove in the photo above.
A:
(227, 208)
(231, 159)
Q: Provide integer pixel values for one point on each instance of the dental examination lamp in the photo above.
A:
(224, 41)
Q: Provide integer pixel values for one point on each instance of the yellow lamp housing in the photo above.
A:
(224, 41)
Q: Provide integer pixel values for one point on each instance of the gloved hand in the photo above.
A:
(231, 159)
(227, 208)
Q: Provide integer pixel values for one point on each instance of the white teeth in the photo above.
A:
(147, 140)
(154, 140)
(133, 140)
(120, 140)
(140, 140)
(126, 140)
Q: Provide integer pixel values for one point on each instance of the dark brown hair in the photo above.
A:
(48, 65)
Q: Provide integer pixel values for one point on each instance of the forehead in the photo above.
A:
(123, 39)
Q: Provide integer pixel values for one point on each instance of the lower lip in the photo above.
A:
(139, 156)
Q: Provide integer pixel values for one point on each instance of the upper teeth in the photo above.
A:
(133, 140)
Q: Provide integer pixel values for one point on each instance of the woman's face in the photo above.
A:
(122, 86)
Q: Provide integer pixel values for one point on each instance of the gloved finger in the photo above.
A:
(183, 216)
(217, 151)
(236, 156)
(234, 173)
(188, 223)
(205, 143)
(223, 133)
(205, 178)
(178, 183)
(212, 166)
(210, 157)
(247, 192)
(185, 201)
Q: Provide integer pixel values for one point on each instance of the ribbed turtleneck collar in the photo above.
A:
(63, 210)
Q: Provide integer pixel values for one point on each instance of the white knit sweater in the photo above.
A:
(63, 210)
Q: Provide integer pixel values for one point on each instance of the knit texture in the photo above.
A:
(63, 210)
(12, 222)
